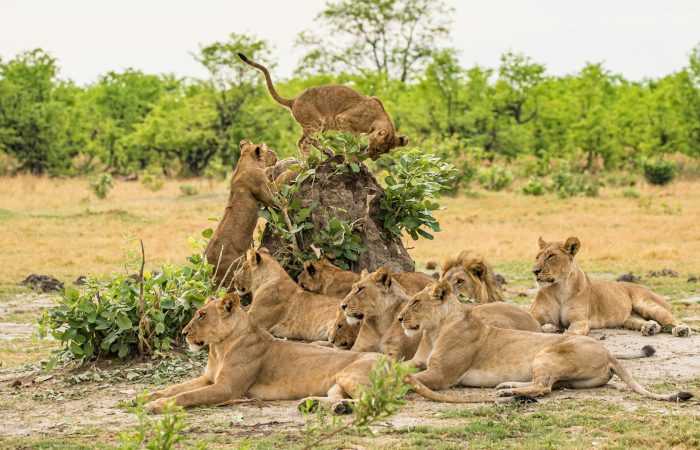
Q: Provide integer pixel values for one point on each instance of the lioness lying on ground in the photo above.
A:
(341, 334)
(375, 301)
(249, 187)
(569, 299)
(323, 277)
(337, 107)
(245, 360)
(468, 352)
(279, 304)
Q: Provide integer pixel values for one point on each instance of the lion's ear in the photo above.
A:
(363, 273)
(227, 304)
(253, 257)
(311, 269)
(383, 276)
(441, 290)
(571, 245)
(210, 298)
(258, 151)
(542, 243)
(330, 257)
(479, 270)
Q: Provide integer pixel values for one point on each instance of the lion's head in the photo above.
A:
(258, 266)
(316, 275)
(365, 295)
(555, 260)
(259, 153)
(426, 309)
(471, 277)
(341, 334)
(212, 323)
(383, 140)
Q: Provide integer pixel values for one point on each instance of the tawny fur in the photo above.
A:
(247, 361)
(279, 305)
(249, 187)
(569, 300)
(337, 107)
(465, 351)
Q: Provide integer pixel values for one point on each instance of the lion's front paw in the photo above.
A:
(681, 331)
(651, 328)
(342, 407)
(549, 328)
(505, 385)
(505, 392)
(156, 406)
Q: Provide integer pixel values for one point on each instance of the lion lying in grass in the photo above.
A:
(337, 107)
(465, 351)
(568, 299)
(279, 304)
(247, 361)
(249, 187)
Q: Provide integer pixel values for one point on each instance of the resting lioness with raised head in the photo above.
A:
(337, 107)
(279, 305)
(468, 352)
(569, 300)
(247, 361)
(249, 187)
(341, 334)
(375, 301)
(323, 277)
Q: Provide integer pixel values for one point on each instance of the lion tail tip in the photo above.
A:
(243, 57)
(683, 396)
(648, 350)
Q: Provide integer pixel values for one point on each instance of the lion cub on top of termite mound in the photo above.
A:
(337, 107)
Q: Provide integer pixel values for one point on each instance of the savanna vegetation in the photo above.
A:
(553, 127)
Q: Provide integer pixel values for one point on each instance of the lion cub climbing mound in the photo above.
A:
(337, 107)
(569, 299)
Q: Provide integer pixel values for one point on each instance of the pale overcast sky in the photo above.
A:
(637, 38)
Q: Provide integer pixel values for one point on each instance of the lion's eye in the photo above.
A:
(360, 289)
(550, 256)
(339, 325)
(201, 316)
(460, 281)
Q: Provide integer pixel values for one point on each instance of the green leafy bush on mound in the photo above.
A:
(413, 182)
(108, 317)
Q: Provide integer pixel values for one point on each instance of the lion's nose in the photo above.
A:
(537, 271)
(344, 305)
(400, 318)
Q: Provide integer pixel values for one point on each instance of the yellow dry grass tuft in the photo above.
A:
(58, 227)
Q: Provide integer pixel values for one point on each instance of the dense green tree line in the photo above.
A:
(131, 121)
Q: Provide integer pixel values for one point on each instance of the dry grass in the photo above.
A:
(58, 227)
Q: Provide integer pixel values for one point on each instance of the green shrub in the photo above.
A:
(534, 186)
(101, 185)
(151, 181)
(495, 178)
(659, 171)
(568, 184)
(412, 183)
(109, 316)
(621, 179)
(339, 239)
(189, 190)
(631, 192)
(162, 433)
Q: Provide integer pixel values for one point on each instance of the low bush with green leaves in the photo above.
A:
(189, 190)
(413, 182)
(659, 171)
(339, 239)
(152, 181)
(495, 178)
(566, 183)
(122, 316)
(534, 186)
(101, 185)
(381, 399)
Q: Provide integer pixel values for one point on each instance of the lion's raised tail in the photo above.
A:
(426, 392)
(636, 387)
(271, 87)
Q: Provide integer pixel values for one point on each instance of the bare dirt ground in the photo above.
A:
(36, 405)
